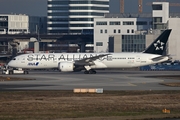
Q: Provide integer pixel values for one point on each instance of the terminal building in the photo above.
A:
(134, 32)
(22, 24)
(126, 27)
(74, 16)
(112, 32)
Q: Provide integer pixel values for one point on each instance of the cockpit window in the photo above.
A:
(14, 58)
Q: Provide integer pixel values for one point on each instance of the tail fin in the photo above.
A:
(159, 44)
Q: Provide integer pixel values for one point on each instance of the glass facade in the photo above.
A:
(141, 23)
(3, 24)
(160, 26)
(157, 19)
(73, 16)
(157, 23)
(157, 7)
(133, 43)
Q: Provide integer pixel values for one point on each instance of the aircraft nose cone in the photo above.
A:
(10, 64)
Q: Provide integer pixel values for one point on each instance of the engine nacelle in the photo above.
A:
(66, 66)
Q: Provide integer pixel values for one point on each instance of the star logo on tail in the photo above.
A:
(159, 45)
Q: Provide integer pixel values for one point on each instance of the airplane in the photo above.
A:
(90, 62)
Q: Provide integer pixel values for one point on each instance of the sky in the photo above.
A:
(39, 7)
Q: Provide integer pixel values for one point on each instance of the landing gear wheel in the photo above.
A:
(92, 71)
(86, 72)
(10, 72)
(26, 72)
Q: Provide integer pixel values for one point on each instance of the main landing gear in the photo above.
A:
(91, 71)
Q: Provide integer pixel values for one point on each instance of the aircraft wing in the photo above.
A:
(90, 60)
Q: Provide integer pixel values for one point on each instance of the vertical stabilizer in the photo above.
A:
(159, 44)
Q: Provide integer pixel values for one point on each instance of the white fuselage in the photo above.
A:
(113, 60)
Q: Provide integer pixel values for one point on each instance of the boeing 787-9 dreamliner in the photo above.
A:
(89, 62)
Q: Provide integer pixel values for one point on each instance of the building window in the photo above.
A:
(80, 13)
(157, 7)
(105, 31)
(159, 26)
(127, 30)
(101, 31)
(99, 43)
(119, 31)
(157, 19)
(132, 31)
(133, 43)
(141, 23)
(101, 23)
(76, 25)
(128, 23)
(85, 8)
(114, 31)
(115, 23)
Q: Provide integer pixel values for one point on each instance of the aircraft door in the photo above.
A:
(23, 60)
(138, 60)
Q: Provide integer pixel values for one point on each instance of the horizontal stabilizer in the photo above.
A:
(159, 58)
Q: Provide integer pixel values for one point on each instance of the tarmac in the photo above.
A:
(105, 79)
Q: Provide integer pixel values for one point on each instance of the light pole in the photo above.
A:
(36, 43)
(37, 32)
(43, 47)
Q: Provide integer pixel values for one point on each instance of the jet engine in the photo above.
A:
(66, 66)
